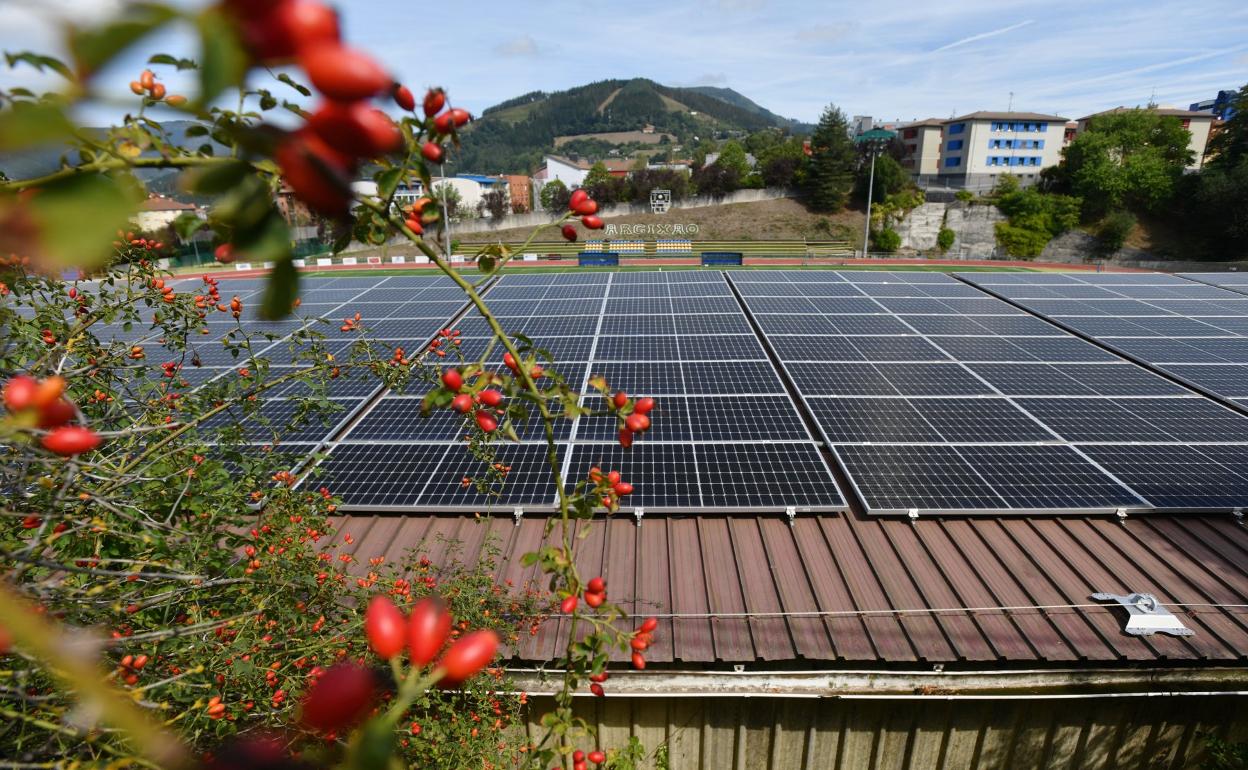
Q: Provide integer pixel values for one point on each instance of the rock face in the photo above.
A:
(1072, 246)
(1077, 247)
(920, 228)
(974, 228)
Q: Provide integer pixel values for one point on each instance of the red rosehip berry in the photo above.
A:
(385, 626)
(468, 656)
(427, 629)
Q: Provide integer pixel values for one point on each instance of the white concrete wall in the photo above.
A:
(1199, 129)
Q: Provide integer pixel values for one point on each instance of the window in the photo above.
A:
(954, 144)
(957, 128)
(952, 162)
(1042, 127)
(910, 133)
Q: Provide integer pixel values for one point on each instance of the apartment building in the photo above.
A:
(921, 140)
(980, 147)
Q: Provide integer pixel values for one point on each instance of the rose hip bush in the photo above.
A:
(172, 589)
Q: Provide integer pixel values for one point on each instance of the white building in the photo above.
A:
(158, 212)
(1197, 123)
(922, 140)
(980, 147)
(571, 173)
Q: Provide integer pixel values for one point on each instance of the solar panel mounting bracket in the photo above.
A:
(517, 513)
(913, 514)
(1238, 513)
(1145, 615)
(638, 513)
(1121, 513)
(791, 512)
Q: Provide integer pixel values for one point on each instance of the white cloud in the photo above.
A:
(517, 46)
(984, 35)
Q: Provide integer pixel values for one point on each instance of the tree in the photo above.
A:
(555, 196)
(1211, 208)
(760, 142)
(446, 194)
(602, 186)
(889, 176)
(1229, 148)
(494, 202)
(732, 157)
(830, 174)
(783, 164)
(1130, 159)
(716, 180)
(639, 184)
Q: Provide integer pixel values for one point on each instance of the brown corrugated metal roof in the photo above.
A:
(738, 585)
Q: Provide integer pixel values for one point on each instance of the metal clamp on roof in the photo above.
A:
(638, 513)
(1146, 616)
(791, 512)
(517, 513)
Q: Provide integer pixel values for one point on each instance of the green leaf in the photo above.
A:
(30, 123)
(94, 47)
(267, 240)
(288, 80)
(78, 218)
(39, 62)
(214, 180)
(388, 181)
(187, 224)
(225, 60)
(181, 64)
(281, 290)
(342, 237)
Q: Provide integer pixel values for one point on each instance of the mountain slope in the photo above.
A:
(744, 102)
(512, 136)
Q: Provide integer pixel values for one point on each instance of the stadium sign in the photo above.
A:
(660, 201)
(650, 229)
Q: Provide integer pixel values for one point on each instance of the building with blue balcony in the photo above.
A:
(980, 147)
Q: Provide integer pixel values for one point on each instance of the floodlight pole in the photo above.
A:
(866, 230)
(446, 212)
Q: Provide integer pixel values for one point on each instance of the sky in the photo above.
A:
(891, 60)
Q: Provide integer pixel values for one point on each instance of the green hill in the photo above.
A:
(511, 137)
(744, 102)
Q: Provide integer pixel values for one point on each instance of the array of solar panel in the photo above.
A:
(397, 311)
(1193, 331)
(937, 397)
(1233, 281)
(725, 435)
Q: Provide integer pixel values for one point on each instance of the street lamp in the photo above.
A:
(874, 141)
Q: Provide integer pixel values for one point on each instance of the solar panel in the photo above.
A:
(978, 407)
(683, 341)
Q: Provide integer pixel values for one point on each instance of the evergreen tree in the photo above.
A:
(830, 175)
